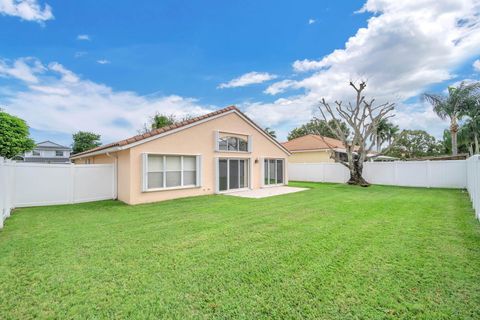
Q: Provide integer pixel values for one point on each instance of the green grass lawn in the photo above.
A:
(332, 252)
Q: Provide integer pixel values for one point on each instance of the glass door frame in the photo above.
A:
(247, 174)
(266, 172)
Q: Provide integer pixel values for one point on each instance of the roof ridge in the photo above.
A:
(158, 131)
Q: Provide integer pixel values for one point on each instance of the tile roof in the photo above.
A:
(312, 142)
(155, 132)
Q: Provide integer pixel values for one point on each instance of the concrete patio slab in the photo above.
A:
(265, 192)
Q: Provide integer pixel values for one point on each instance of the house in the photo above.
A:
(315, 148)
(47, 152)
(219, 152)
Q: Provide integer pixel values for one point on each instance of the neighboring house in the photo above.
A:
(313, 149)
(47, 152)
(219, 152)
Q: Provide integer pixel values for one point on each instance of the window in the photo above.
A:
(58, 153)
(273, 171)
(232, 144)
(170, 171)
(35, 153)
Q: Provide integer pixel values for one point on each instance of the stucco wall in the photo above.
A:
(311, 157)
(98, 159)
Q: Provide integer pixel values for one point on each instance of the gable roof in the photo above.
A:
(312, 142)
(158, 133)
(51, 145)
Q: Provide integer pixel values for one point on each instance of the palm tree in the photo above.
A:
(271, 132)
(453, 106)
(472, 125)
(386, 131)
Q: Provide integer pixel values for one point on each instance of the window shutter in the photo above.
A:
(250, 144)
(262, 172)
(199, 171)
(216, 137)
(217, 175)
(144, 172)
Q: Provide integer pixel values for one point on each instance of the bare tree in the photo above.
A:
(362, 118)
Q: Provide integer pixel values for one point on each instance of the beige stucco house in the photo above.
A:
(314, 148)
(219, 152)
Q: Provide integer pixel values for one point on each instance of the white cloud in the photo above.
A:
(281, 86)
(248, 79)
(83, 37)
(67, 75)
(103, 61)
(65, 103)
(29, 10)
(24, 69)
(311, 21)
(406, 47)
(476, 65)
(307, 65)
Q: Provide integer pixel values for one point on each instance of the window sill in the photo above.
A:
(172, 188)
(233, 151)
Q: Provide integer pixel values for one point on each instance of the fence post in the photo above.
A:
(395, 173)
(3, 196)
(72, 184)
(427, 168)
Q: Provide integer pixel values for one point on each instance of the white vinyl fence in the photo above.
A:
(34, 184)
(473, 182)
(429, 174)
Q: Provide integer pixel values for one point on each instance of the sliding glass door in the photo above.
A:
(232, 174)
(273, 171)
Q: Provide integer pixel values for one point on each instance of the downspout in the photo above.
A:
(116, 172)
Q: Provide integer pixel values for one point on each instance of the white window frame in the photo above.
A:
(198, 171)
(227, 135)
(58, 155)
(248, 175)
(267, 173)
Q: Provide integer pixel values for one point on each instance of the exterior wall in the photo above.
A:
(311, 157)
(197, 140)
(123, 175)
(98, 159)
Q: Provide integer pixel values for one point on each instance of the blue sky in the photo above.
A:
(105, 67)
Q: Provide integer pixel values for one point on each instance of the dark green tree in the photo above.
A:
(83, 141)
(271, 132)
(14, 136)
(317, 126)
(385, 133)
(414, 144)
(159, 120)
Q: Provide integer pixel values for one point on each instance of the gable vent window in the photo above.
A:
(232, 144)
(170, 171)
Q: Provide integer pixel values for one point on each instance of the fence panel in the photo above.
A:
(42, 184)
(473, 182)
(318, 172)
(103, 187)
(35, 184)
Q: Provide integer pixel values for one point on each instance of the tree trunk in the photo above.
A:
(477, 147)
(453, 132)
(378, 143)
(356, 177)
